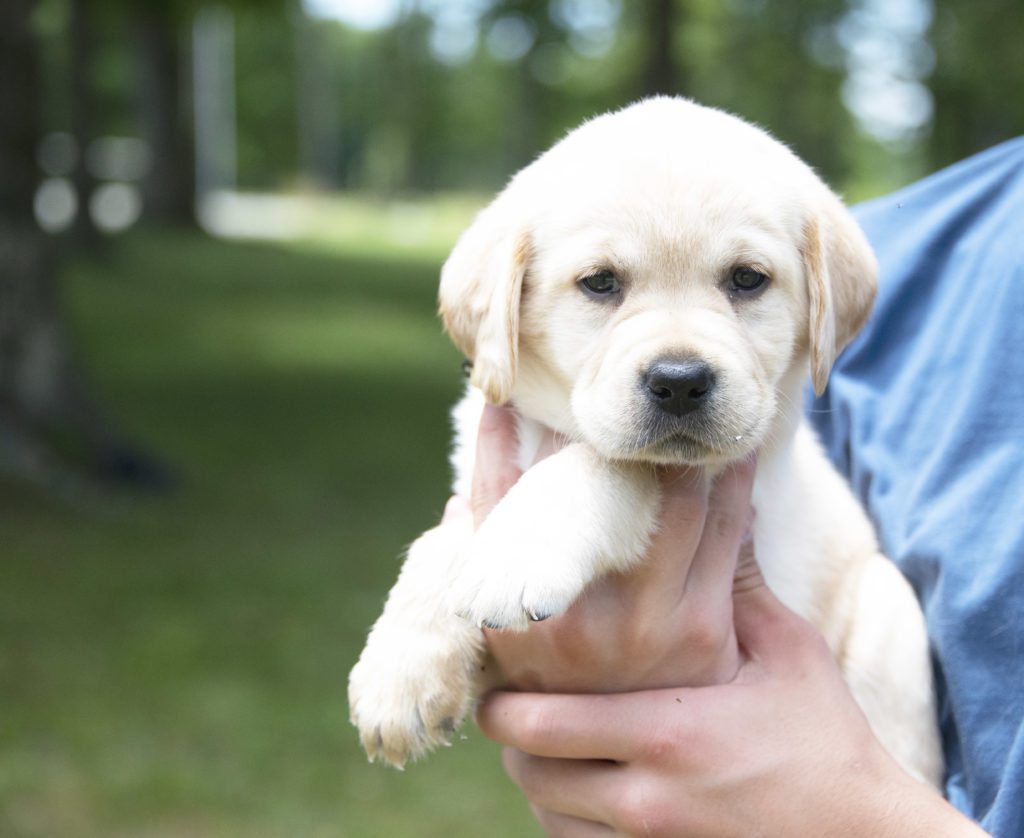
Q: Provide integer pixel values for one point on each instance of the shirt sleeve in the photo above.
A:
(924, 414)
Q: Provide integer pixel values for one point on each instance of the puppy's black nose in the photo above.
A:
(678, 386)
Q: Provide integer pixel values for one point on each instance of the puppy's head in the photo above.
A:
(657, 283)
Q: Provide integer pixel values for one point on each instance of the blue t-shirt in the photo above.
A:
(925, 415)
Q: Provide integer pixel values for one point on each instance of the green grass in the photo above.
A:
(177, 665)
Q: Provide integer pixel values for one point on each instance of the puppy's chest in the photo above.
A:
(810, 533)
(787, 555)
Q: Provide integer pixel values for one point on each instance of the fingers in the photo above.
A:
(566, 826)
(701, 526)
(684, 501)
(455, 509)
(550, 443)
(693, 554)
(748, 578)
(728, 520)
(495, 470)
(767, 631)
(585, 727)
(573, 792)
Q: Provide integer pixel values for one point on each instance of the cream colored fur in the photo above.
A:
(670, 197)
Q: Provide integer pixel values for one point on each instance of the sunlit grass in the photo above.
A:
(409, 228)
(176, 665)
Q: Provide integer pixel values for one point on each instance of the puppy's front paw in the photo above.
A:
(410, 691)
(507, 585)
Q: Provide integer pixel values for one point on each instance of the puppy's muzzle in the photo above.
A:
(678, 386)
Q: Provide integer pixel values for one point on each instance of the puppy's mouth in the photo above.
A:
(690, 445)
(679, 449)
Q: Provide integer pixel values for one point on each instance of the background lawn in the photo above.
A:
(176, 665)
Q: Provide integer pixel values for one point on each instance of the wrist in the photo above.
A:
(905, 808)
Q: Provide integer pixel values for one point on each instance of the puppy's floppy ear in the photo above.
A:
(481, 287)
(841, 272)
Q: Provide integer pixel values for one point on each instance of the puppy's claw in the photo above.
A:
(506, 616)
(406, 705)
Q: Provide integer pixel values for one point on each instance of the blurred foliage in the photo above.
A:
(398, 113)
(978, 81)
(265, 98)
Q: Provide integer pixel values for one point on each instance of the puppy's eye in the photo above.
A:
(601, 284)
(744, 280)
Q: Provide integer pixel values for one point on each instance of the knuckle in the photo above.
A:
(540, 726)
(631, 807)
(640, 637)
(705, 631)
(638, 812)
(659, 746)
(724, 521)
(677, 742)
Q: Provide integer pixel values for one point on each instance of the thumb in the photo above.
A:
(494, 470)
(764, 625)
(748, 578)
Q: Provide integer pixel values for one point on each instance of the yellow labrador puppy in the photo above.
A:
(654, 288)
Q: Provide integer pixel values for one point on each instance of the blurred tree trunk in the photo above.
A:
(169, 186)
(316, 105)
(661, 75)
(528, 98)
(46, 417)
(81, 36)
(978, 59)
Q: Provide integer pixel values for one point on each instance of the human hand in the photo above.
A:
(667, 622)
(782, 749)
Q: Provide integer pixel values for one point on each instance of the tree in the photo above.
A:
(169, 186)
(41, 396)
(80, 32)
(977, 78)
(661, 73)
(161, 30)
(533, 103)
